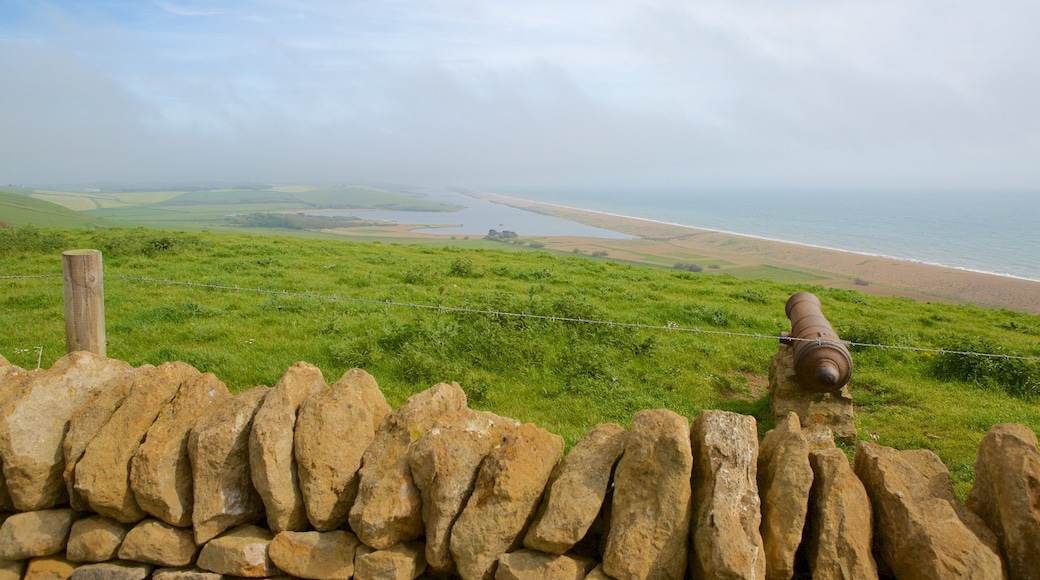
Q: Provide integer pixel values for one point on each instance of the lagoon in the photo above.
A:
(478, 216)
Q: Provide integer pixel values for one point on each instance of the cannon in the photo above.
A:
(821, 360)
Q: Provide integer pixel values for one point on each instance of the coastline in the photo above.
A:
(831, 267)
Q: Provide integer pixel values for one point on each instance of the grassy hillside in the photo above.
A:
(203, 208)
(17, 209)
(375, 305)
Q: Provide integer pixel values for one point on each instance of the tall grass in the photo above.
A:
(336, 304)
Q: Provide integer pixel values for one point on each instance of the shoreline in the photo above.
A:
(763, 238)
(835, 267)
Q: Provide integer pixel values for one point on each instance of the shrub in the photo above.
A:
(697, 314)
(419, 275)
(142, 242)
(688, 267)
(30, 239)
(1017, 377)
(752, 295)
(461, 267)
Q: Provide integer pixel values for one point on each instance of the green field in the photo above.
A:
(247, 307)
(194, 209)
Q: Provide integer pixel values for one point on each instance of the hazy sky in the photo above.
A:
(524, 93)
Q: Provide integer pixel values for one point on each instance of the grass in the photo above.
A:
(17, 209)
(773, 273)
(337, 304)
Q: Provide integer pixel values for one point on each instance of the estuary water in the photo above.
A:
(479, 216)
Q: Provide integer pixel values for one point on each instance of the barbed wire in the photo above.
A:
(27, 277)
(670, 327)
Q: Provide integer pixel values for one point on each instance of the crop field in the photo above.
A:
(563, 341)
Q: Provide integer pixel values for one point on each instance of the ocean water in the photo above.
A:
(993, 232)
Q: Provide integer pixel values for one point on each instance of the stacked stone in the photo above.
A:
(159, 472)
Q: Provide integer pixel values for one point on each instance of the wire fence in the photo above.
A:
(30, 277)
(669, 327)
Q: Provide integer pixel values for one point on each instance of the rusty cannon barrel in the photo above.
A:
(821, 360)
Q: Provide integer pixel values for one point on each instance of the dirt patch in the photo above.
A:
(752, 389)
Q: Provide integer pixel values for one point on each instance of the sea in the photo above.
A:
(995, 232)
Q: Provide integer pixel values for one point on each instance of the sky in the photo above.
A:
(903, 94)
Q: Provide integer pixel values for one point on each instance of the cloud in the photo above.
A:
(182, 10)
(498, 93)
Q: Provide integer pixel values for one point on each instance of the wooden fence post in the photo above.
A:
(84, 301)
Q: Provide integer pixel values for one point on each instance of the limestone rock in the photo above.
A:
(102, 475)
(222, 486)
(33, 534)
(841, 525)
(49, 568)
(388, 507)
(34, 421)
(318, 555)
(1007, 495)
(192, 573)
(85, 425)
(831, 410)
(271, 459)
(12, 569)
(726, 542)
(401, 562)
(784, 481)
(597, 573)
(364, 385)
(333, 430)
(444, 464)
(159, 543)
(12, 379)
(921, 528)
(4, 364)
(361, 551)
(819, 437)
(95, 539)
(112, 571)
(576, 490)
(533, 565)
(242, 551)
(506, 494)
(650, 514)
(160, 472)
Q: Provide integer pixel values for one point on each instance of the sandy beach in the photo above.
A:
(664, 245)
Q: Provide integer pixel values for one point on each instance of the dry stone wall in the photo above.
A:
(112, 472)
